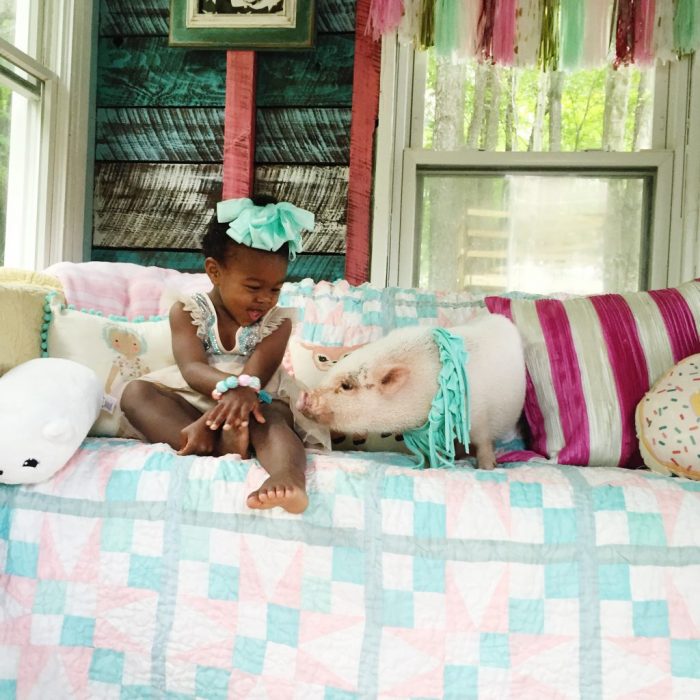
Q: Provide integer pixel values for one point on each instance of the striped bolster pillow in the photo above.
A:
(590, 360)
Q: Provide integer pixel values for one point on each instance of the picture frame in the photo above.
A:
(243, 24)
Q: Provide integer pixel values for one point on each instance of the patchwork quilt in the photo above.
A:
(135, 573)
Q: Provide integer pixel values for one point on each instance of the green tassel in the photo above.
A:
(572, 31)
(446, 26)
(686, 26)
(548, 53)
(427, 24)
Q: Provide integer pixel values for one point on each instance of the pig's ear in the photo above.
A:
(392, 378)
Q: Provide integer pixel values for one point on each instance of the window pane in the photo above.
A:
(498, 108)
(533, 232)
(5, 107)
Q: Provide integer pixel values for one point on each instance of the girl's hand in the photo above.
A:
(234, 408)
(197, 438)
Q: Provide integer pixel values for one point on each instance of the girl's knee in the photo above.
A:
(134, 394)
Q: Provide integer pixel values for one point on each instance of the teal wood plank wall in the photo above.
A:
(159, 137)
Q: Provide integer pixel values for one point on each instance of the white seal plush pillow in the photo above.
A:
(668, 421)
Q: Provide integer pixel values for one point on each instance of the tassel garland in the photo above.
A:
(553, 34)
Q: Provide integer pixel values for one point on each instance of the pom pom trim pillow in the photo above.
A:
(117, 349)
(590, 360)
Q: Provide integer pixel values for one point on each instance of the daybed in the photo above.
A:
(135, 573)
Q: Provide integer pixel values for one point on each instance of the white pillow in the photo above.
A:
(117, 350)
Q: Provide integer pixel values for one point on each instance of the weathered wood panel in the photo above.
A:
(365, 108)
(146, 72)
(335, 15)
(303, 135)
(143, 205)
(318, 267)
(318, 78)
(184, 134)
(134, 17)
(320, 189)
(239, 143)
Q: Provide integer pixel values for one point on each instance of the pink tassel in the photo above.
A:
(384, 16)
(624, 32)
(504, 32)
(644, 32)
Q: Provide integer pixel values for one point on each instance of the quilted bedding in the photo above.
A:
(135, 573)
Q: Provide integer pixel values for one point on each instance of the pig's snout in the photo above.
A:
(313, 406)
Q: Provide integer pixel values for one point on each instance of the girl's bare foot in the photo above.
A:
(285, 490)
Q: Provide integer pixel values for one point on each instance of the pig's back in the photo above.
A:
(496, 371)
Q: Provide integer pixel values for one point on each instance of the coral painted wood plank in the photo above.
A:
(239, 124)
(365, 109)
(303, 135)
(184, 134)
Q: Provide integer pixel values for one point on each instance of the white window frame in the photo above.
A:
(675, 159)
(46, 209)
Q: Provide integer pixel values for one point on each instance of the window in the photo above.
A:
(491, 178)
(45, 62)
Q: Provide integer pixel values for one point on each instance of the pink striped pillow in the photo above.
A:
(590, 360)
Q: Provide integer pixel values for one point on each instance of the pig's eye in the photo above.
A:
(346, 386)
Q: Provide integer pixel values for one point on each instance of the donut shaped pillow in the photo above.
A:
(668, 421)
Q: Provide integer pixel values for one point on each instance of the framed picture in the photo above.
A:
(242, 24)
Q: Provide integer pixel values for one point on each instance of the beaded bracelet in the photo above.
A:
(233, 381)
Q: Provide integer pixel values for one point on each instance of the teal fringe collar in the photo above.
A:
(448, 419)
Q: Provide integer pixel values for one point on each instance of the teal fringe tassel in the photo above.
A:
(572, 32)
(449, 415)
(686, 26)
(446, 26)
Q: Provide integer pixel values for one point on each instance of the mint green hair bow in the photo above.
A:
(265, 228)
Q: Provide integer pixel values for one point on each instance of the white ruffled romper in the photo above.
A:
(281, 386)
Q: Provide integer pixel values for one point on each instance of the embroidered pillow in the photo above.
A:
(589, 362)
(118, 350)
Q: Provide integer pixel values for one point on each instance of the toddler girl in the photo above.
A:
(228, 388)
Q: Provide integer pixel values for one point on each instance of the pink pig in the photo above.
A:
(389, 385)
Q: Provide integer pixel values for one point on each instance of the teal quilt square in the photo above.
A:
(316, 594)
(460, 682)
(22, 558)
(429, 520)
(559, 525)
(137, 692)
(282, 625)
(608, 498)
(50, 597)
(122, 485)
(614, 582)
(160, 462)
(106, 666)
(524, 495)
(494, 650)
(646, 529)
(397, 608)
(77, 631)
(526, 615)
(685, 658)
(338, 694)
(198, 495)
(232, 470)
(211, 683)
(347, 484)
(194, 543)
(650, 618)
(223, 582)
(561, 580)
(249, 655)
(5, 520)
(398, 487)
(348, 565)
(8, 689)
(428, 575)
(145, 572)
(116, 535)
